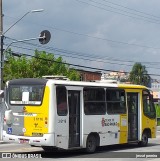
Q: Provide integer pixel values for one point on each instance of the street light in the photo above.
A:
(2, 39)
(38, 10)
(32, 11)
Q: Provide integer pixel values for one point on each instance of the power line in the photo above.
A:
(86, 57)
(70, 64)
(144, 19)
(75, 65)
(145, 13)
(100, 38)
(80, 53)
(82, 58)
(103, 39)
(77, 57)
(141, 14)
(63, 51)
(71, 52)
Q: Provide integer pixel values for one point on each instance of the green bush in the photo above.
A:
(158, 121)
(157, 110)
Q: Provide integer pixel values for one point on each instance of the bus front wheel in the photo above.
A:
(144, 141)
(91, 144)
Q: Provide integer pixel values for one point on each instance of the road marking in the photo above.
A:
(29, 149)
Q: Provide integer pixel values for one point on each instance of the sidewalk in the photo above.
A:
(158, 128)
(154, 159)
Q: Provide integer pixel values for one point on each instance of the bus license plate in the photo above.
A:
(24, 141)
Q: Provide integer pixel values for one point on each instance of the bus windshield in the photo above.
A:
(27, 95)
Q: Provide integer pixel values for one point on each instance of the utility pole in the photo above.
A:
(1, 65)
(1, 52)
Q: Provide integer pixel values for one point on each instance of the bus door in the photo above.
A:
(133, 104)
(74, 118)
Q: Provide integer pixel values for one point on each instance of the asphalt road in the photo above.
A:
(126, 152)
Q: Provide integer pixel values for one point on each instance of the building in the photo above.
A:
(89, 75)
(118, 76)
(155, 87)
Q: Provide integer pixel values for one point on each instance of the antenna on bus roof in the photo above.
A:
(56, 77)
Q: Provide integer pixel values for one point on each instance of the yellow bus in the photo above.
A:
(72, 114)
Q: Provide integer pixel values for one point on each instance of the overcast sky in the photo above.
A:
(102, 34)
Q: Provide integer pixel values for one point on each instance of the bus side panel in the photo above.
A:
(61, 132)
(110, 128)
(107, 126)
(36, 123)
(123, 129)
(149, 124)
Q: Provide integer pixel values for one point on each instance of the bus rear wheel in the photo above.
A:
(144, 141)
(91, 144)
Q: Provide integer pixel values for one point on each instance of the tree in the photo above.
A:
(139, 75)
(16, 67)
(40, 64)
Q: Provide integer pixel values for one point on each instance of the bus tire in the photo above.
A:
(144, 141)
(49, 148)
(91, 144)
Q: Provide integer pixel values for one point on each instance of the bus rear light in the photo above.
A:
(46, 120)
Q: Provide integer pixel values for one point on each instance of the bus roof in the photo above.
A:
(96, 84)
(38, 81)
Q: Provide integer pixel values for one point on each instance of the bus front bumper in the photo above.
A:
(46, 140)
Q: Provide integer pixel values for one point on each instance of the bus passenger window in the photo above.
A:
(94, 101)
(148, 105)
(61, 101)
(116, 103)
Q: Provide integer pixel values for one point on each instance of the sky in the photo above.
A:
(100, 34)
